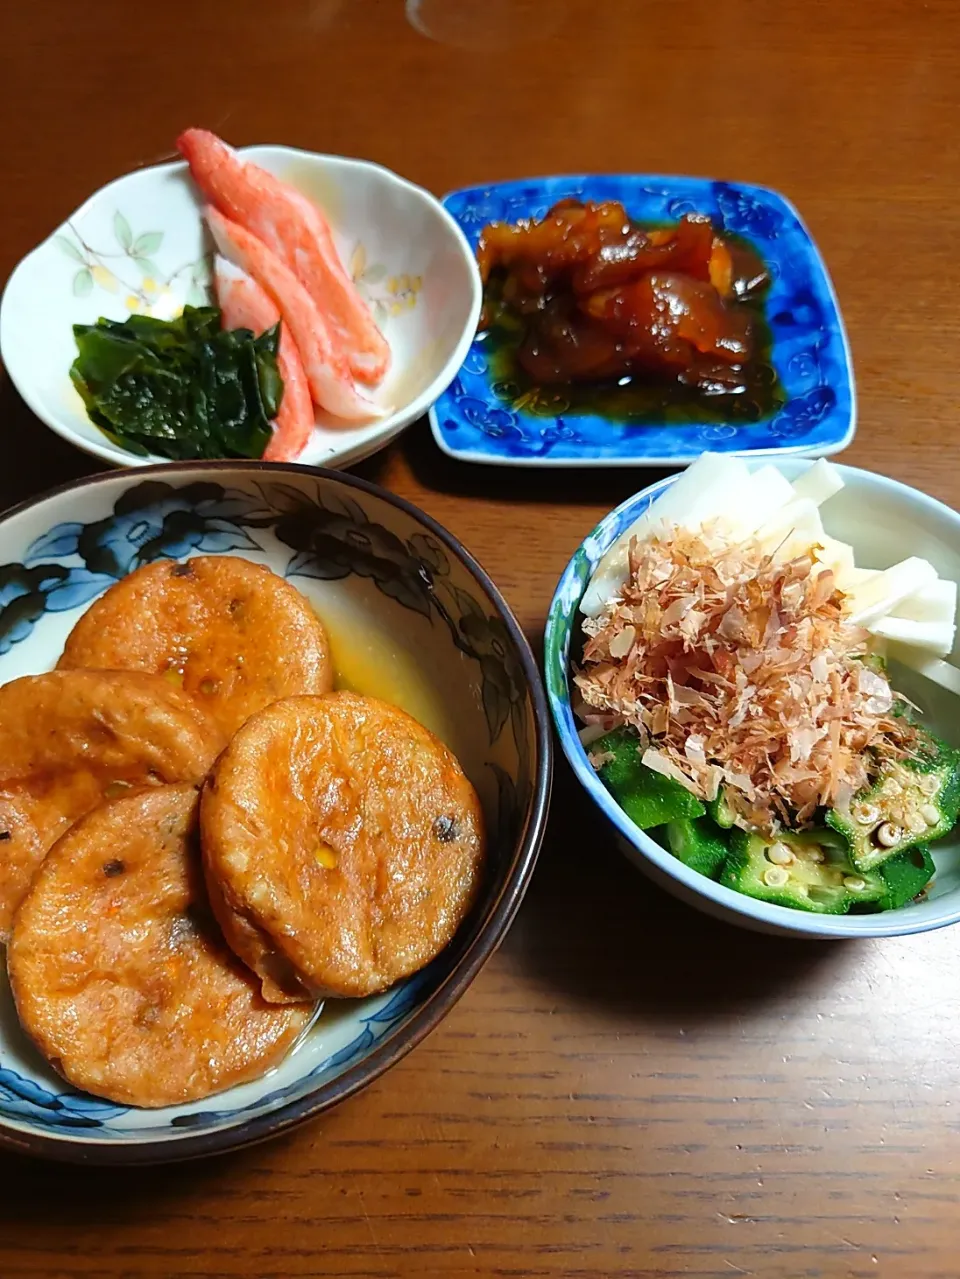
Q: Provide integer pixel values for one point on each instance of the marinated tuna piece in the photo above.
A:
(586, 295)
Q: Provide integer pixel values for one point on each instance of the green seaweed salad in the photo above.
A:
(181, 388)
(872, 854)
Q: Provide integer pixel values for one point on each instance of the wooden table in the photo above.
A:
(628, 1088)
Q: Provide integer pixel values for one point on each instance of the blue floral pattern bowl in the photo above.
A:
(474, 423)
(391, 585)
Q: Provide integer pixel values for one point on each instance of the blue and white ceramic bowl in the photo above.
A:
(883, 521)
(476, 420)
(413, 618)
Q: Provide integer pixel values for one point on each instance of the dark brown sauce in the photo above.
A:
(642, 399)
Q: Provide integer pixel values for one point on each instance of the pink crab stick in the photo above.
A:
(245, 306)
(328, 377)
(297, 232)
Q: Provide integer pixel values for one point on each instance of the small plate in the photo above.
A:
(399, 595)
(139, 244)
(810, 351)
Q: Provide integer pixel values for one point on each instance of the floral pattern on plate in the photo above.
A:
(129, 269)
(139, 244)
(387, 295)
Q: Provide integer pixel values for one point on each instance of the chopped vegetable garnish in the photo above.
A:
(698, 844)
(646, 797)
(735, 651)
(906, 876)
(806, 872)
(911, 802)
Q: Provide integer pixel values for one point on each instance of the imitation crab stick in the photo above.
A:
(297, 232)
(244, 305)
(328, 377)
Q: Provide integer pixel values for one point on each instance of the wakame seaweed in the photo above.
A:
(179, 388)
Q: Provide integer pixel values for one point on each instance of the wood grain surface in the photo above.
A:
(628, 1089)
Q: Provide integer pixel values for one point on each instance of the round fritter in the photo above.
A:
(118, 969)
(70, 738)
(234, 634)
(342, 845)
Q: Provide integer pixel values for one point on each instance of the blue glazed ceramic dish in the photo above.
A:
(472, 422)
(883, 521)
(390, 584)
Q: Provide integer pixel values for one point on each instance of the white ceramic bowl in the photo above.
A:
(884, 521)
(140, 243)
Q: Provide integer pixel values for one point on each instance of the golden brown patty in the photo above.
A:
(69, 738)
(119, 971)
(342, 845)
(236, 635)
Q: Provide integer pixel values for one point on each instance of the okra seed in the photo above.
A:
(815, 853)
(780, 855)
(929, 783)
(930, 814)
(888, 834)
(854, 883)
(775, 877)
(865, 814)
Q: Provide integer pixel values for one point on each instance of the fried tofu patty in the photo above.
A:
(342, 844)
(119, 972)
(70, 738)
(234, 634)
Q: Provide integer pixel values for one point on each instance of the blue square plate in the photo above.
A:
(810, 349)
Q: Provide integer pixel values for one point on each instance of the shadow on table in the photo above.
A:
(41, 460)
(595, 929)
(62, 1199)
(36, 458)
(604, 487)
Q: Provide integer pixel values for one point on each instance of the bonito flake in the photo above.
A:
(740, 672)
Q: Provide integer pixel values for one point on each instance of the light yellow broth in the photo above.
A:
(368, 661)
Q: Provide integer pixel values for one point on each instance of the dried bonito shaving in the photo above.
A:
(740, 669)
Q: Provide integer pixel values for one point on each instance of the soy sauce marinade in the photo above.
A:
(591, 313)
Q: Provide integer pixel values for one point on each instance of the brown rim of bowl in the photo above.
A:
(489, 929)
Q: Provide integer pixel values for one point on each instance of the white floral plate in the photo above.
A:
(139, 244)
(411, 618)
